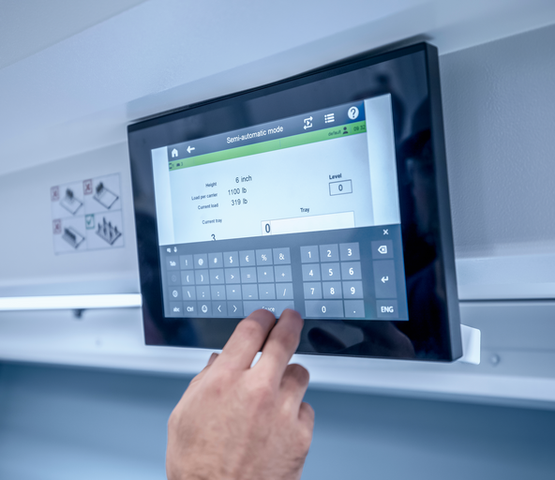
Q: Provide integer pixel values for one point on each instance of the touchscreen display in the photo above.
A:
(325, 193)
(301, 213)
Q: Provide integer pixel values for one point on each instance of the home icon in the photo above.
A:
(174, 152)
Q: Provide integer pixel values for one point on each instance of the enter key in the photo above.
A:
(384, 279)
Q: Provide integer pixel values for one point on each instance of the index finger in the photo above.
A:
(281, 345)
(247, 340)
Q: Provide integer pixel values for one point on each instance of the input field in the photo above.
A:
(315, 223)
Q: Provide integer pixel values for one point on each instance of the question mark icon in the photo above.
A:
(353, 113)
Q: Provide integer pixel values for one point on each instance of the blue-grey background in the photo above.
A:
(69, 423)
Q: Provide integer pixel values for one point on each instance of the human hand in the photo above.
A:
(238, 422)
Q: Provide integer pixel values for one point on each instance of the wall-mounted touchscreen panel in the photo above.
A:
(305, 195)
(241, 217)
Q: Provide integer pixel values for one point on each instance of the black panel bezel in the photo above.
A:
(435, 337)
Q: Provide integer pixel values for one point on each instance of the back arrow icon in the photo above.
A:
(385, 279)
(190, 149)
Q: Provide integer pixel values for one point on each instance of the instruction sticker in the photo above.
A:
(87, 215)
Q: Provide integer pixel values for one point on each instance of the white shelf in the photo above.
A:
(516, 367)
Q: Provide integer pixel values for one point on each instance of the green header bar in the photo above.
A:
(278, 144)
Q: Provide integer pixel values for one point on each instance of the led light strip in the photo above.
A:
(71, 302)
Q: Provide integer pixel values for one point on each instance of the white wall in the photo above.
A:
(499, 114)
(66, 108)
(29, 263)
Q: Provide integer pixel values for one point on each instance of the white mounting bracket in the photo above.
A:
(471, 345)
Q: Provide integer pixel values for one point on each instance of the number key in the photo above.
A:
(312, 290)
(332, 290)
(309, 254)
(352, 289)
(349, 251)
(351, 271)
(324, 308)
(330, 271)
(329, 253)
(311, 273)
